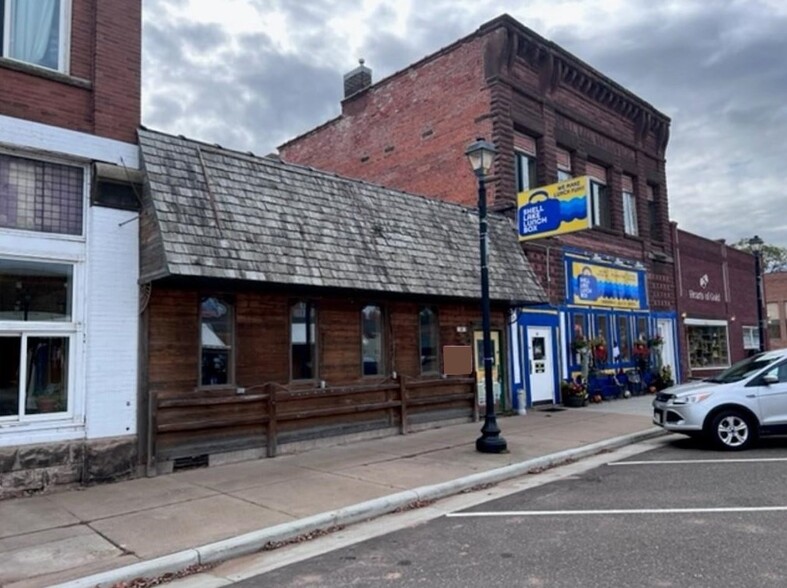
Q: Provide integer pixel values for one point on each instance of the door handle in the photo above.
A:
(751, 396)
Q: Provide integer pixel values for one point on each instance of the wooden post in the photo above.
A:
(403, 425)
(271, 443)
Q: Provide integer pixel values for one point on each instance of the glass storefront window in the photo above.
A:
(707, 346)
(623, 338)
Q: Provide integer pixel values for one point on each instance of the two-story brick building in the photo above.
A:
(717, 304)
(551, 117)
(69, 112)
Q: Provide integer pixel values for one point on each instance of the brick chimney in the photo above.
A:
(358, 79)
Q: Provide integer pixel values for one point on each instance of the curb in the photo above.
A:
(256, 540)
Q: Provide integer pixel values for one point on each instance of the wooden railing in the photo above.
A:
(212, 421)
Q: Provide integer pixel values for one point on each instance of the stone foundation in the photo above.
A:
(33, 469)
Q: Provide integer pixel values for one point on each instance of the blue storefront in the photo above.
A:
(606, 306)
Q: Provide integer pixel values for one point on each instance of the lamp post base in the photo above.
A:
(490, 440)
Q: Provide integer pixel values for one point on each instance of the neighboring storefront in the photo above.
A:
(717, 304)
(776, 309)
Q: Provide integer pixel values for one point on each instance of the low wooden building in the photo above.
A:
(283, 306)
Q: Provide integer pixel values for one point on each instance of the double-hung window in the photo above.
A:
(217, 323)
(37, 338)
(525, 160)
(599, 195)
(563, 165)
(36, 32)
(629, 207)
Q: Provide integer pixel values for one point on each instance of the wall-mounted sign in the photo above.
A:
(594, 284)
(556, 209)
(706, 294)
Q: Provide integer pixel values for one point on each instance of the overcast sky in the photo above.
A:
(250, 74)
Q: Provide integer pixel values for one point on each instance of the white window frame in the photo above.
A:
(69, 330)
(690, 322)
(86, 183)
(523, 161)
(751, 337)
(596, 189)
(64, 37)
(630, 214)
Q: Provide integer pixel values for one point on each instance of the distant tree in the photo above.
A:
(774, 258)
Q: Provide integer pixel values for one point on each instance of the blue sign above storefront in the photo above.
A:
(609, 285)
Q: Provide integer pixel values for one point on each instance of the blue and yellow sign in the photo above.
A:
(556, 209)
(592, 284)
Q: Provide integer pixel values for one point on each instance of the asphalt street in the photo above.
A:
(678, 515)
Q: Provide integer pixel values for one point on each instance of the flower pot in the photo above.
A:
(574, 401)
(47, 403)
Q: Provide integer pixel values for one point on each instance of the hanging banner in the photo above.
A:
(556, 209)
(593, 284)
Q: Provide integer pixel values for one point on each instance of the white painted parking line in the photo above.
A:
(695, 461)
(616, 511)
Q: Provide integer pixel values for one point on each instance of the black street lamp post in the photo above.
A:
(756, 246)
(481, 154)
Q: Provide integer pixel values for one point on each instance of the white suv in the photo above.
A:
(732, 409)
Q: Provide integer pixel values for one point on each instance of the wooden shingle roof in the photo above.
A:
(218, 213)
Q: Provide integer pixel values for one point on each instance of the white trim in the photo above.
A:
(64, 38)
(16, 133)
(705, 322)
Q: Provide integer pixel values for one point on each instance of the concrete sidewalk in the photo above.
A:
(90, 536)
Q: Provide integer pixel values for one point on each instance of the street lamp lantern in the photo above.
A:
(481, 154)
(756, 246)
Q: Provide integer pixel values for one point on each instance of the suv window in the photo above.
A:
(778, 371)
(744, 368)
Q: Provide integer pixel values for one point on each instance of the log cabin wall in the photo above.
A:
(263, 410)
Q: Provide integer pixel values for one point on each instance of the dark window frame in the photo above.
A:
(229, 368)
(381, 362)
(434, 326)
(311, 322)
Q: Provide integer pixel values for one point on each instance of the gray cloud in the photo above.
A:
(715, 67)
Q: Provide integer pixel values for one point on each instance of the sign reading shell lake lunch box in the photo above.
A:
(555, 209)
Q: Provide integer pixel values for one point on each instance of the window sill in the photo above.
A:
(42, 72)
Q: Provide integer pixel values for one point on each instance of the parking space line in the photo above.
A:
(695, 461)
(616, 511)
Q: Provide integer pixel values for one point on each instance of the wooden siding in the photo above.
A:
(187, 421)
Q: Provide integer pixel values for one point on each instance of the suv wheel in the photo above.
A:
(732, 430)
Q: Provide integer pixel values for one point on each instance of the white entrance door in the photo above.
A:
(665, 328)
(540, 364)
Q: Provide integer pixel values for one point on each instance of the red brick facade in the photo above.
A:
(717, 292)
(100, 94)
(776, 300)
(410, 131)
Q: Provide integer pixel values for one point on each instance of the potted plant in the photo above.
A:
(573, 393)
(48, 400)
(599, 346)
(656, 341)
(579, 344)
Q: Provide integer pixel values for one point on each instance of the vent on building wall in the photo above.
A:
(116, 186)
(358, 79)
(191, 462)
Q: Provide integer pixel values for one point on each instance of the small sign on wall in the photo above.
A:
(458, 360)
